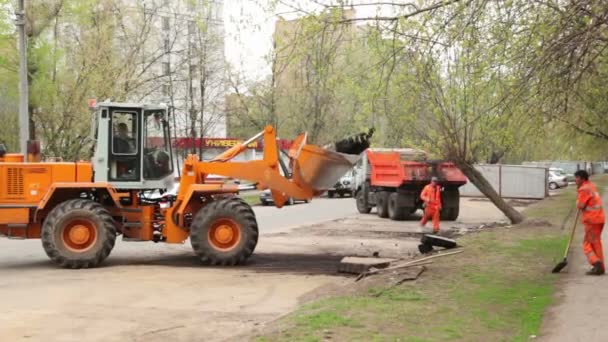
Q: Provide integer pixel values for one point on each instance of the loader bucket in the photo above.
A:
(317, 168)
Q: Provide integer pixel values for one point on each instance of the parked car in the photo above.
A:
(343, 187)
(561, 172)
(266, 195)
(557, 181)
(266, 198)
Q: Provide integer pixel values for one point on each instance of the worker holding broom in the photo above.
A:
(431, 196)
(589, 203)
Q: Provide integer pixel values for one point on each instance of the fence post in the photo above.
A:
(546, 182)
(500, 180)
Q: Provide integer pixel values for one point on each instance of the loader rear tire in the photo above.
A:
(78, 233)
(382, 204)
(224, 232)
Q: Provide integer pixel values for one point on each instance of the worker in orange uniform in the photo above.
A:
(431, 195)
(589, 203)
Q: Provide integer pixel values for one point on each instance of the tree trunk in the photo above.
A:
(486, 188)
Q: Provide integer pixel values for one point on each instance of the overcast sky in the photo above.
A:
(250, 24)
(249, 30)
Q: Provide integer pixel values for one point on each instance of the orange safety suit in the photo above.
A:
(431, 195)
(593, 217)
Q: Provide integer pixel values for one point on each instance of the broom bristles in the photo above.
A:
(560, 266)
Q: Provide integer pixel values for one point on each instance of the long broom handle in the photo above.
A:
(572, 233)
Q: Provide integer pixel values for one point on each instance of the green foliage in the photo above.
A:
(77, 50)
(456, 81)
(9, 97)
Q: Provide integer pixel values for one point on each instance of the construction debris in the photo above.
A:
(373, 271)
(411, 274)
(358, 265)
(428, 241)
(417, 262)
(352, 145)
(402, 277)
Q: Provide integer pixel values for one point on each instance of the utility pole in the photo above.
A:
(24, 129)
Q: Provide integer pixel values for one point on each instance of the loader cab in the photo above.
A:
(133, 149)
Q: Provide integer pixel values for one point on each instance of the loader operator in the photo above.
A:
(122, 142)
(431, 196)
(589, 203)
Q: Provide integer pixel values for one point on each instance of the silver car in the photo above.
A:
(557, 181)
(266, 198)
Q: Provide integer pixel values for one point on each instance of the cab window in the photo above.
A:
(157, 154)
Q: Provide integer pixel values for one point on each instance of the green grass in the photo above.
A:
(497, 290)
(251, 199)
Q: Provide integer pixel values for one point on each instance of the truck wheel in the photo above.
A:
(224, 232)
(453, 213)
(362, 205)
(330, 194)
(450, 213)
(394, 211)
(382, 204)
(78, 233)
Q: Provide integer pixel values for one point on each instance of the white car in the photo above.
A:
(557, 181)
(344, 186)
(561, 172)
(266, 198)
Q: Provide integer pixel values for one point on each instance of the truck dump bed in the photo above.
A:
(395, 167)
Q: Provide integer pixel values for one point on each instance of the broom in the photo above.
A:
(564, 262)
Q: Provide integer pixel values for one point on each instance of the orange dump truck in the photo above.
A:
(391, 180)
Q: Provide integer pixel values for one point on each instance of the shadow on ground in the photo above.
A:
(301, 264)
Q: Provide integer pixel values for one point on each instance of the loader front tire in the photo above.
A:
(224, 232)
(78, 233)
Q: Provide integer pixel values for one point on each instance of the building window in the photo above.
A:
(166, 68)
(165, 89)
(167, 45)
(166, 3)
(166, 24)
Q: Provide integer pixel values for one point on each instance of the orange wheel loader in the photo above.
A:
(79, 208)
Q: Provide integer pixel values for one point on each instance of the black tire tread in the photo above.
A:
(50, 224)
(395, 212)
(236, 208)
(382, 204)
(361, 201)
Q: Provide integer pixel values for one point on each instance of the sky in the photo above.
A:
(249, 26)
(249, 29)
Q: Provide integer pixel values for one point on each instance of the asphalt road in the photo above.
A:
(158, 292)
(273, 220)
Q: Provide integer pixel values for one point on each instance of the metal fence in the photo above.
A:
(511, 181)
(571, 166)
